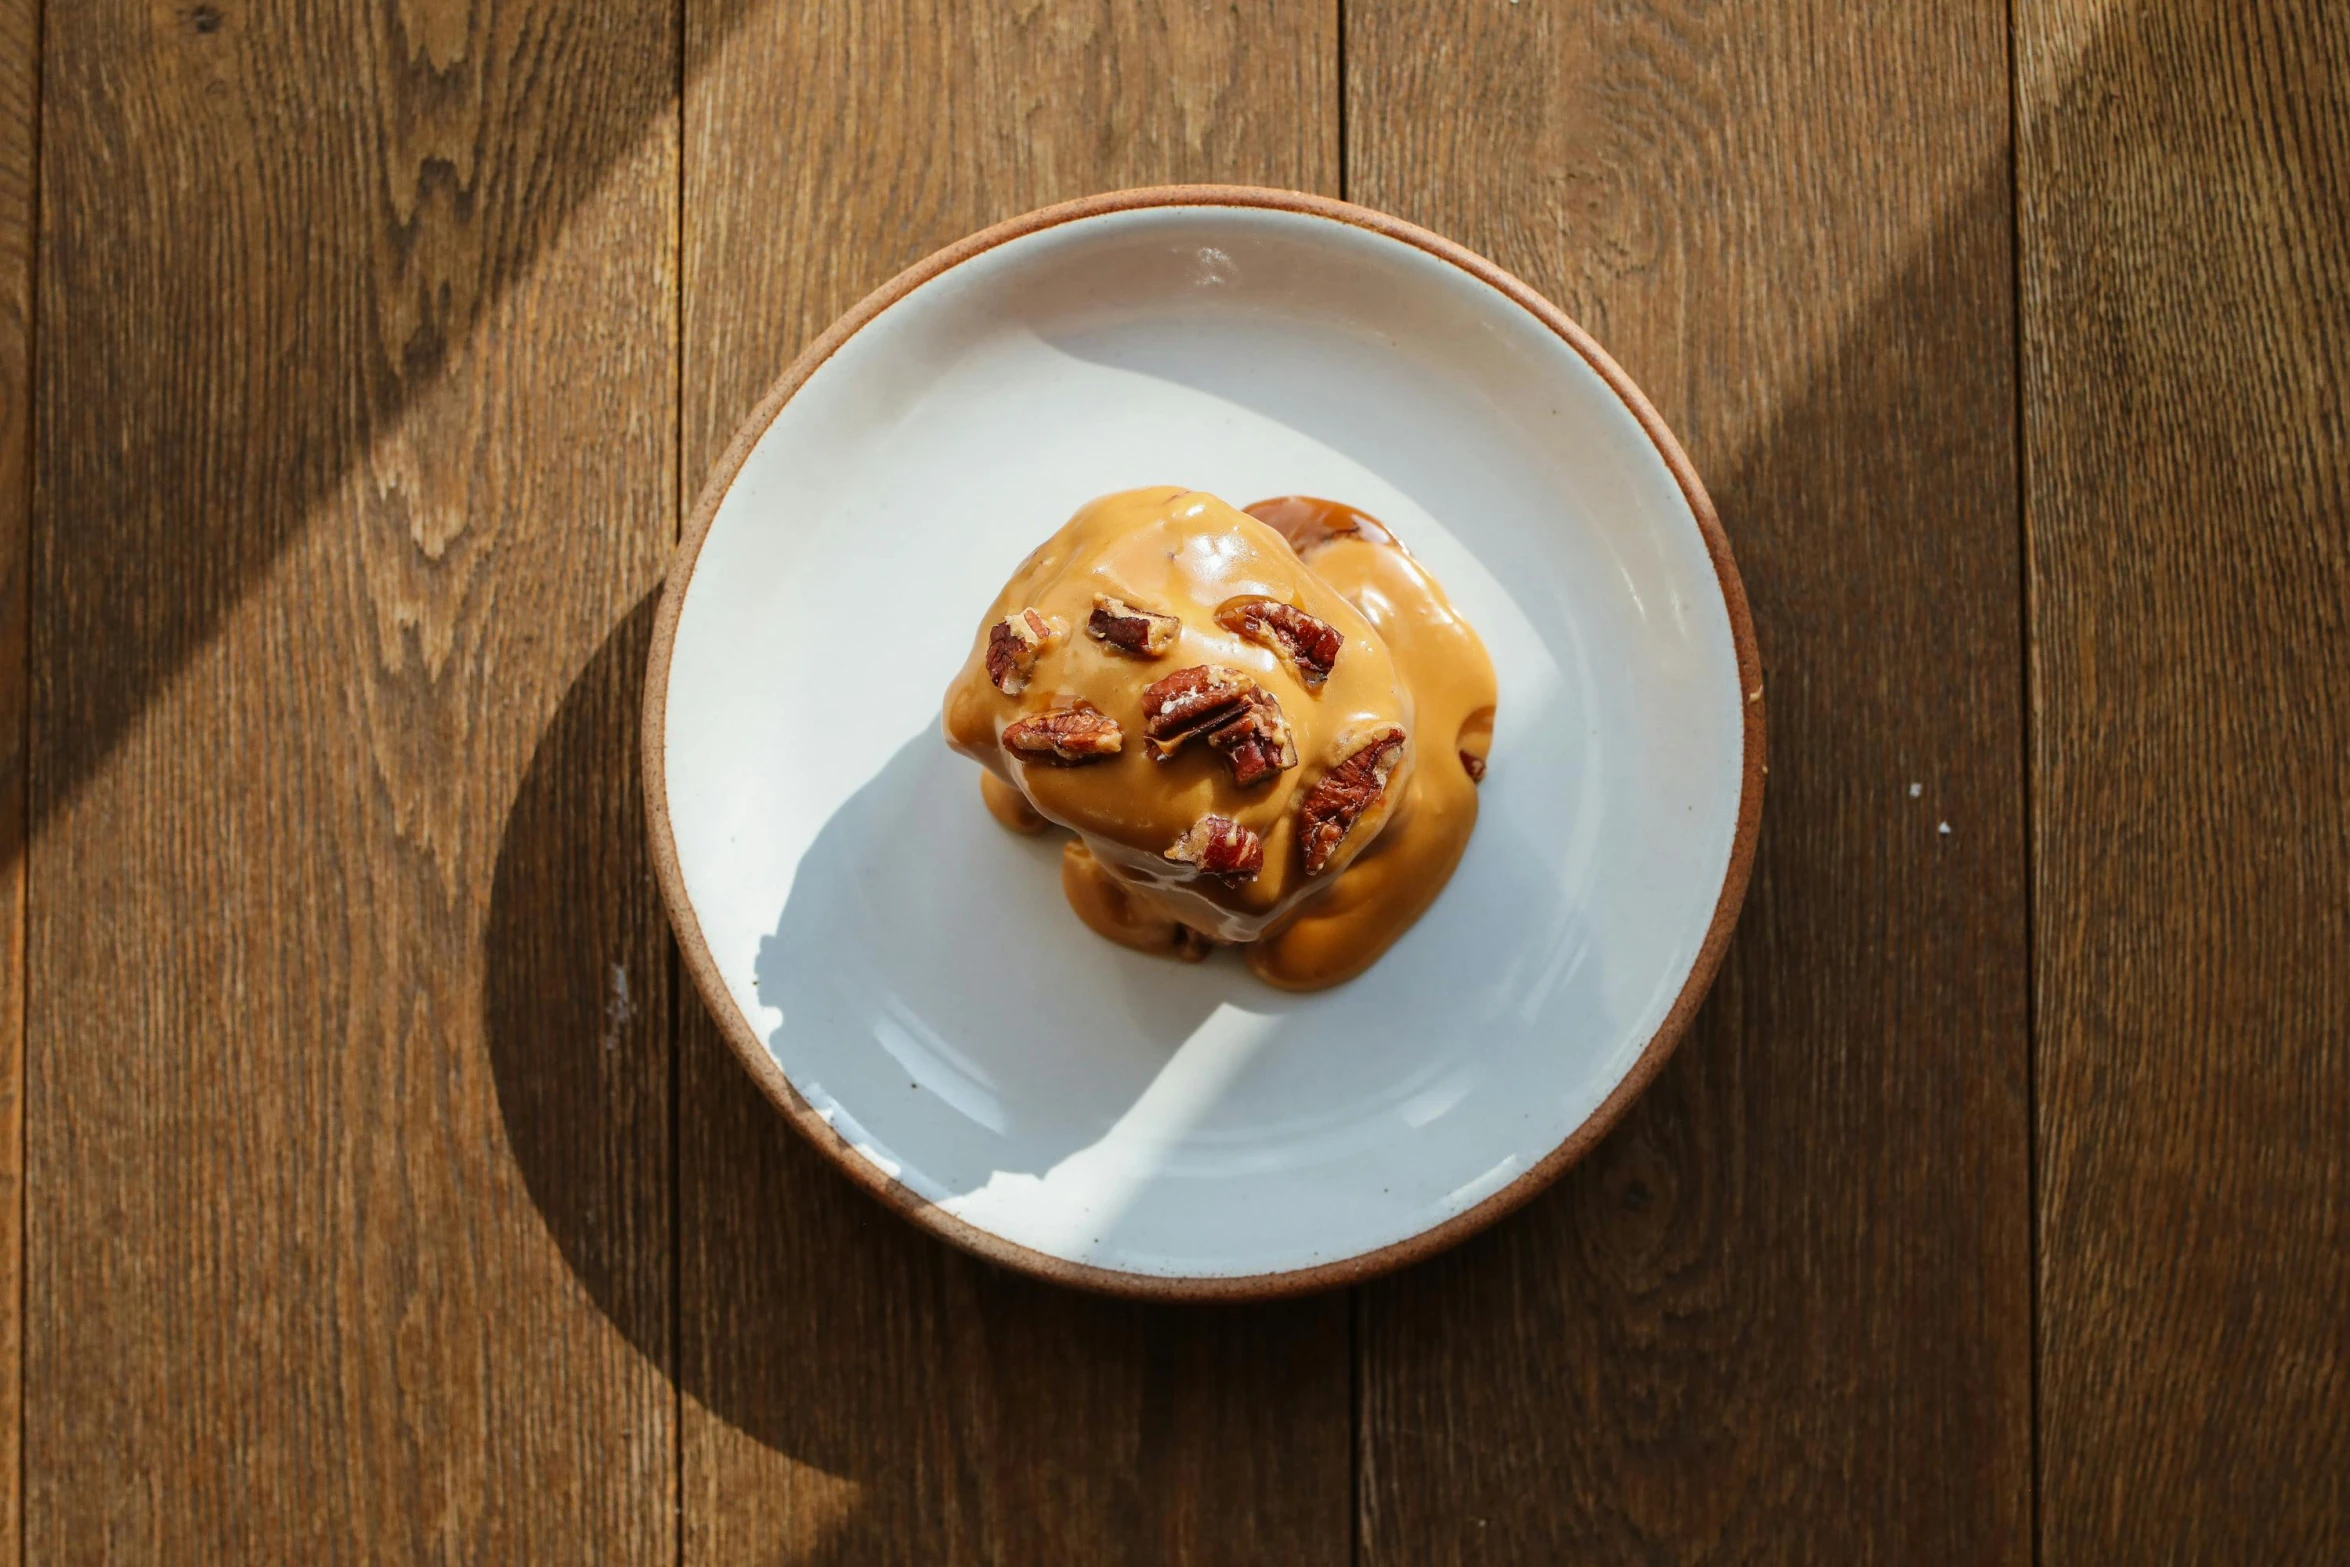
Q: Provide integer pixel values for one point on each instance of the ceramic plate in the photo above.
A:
(903, 977)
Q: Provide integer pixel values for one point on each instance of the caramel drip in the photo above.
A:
(1405, 658)
(1393, 879)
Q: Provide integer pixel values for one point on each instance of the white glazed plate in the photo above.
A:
(903, 976)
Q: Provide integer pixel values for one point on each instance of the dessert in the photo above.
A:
(1264, 728)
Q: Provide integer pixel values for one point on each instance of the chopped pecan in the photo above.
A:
(1238, 717)
(1140, 631)
(1309, 642)
(1083, 733)
(1220, 846)
(1475, 766)
(1014, 644)
(1256, 739)
(1190, 702)
(1342, 795)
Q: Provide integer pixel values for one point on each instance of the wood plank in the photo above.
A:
(2185, 185)
(1788, 1299)
(19, 124)
(348, 1115)
(856, 1391)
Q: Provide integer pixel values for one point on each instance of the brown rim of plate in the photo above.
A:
(1144, 1286)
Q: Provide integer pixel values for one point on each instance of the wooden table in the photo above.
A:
(385, 1197)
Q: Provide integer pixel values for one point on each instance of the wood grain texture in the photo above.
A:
(856, 1392)
(2185, 185)
(19, 126)
(1784, 1312)
(357, 445)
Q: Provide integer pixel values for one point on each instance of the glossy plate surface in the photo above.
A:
(904, 977)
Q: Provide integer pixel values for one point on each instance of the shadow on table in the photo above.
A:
(580, 1051)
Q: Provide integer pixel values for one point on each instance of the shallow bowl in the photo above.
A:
(902, 977)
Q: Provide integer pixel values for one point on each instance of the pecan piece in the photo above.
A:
(1220, 846)
(1065, 735)
(1342, 795)
(1238, 717)
(1140, 631)
(1309, 642)
(1015, 643)
(1256, 739)
(1190, 702)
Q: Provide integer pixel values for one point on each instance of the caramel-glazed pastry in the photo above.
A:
(1264, 727)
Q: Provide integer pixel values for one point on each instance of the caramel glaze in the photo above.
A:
(1407, 659)
(1397, 875)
